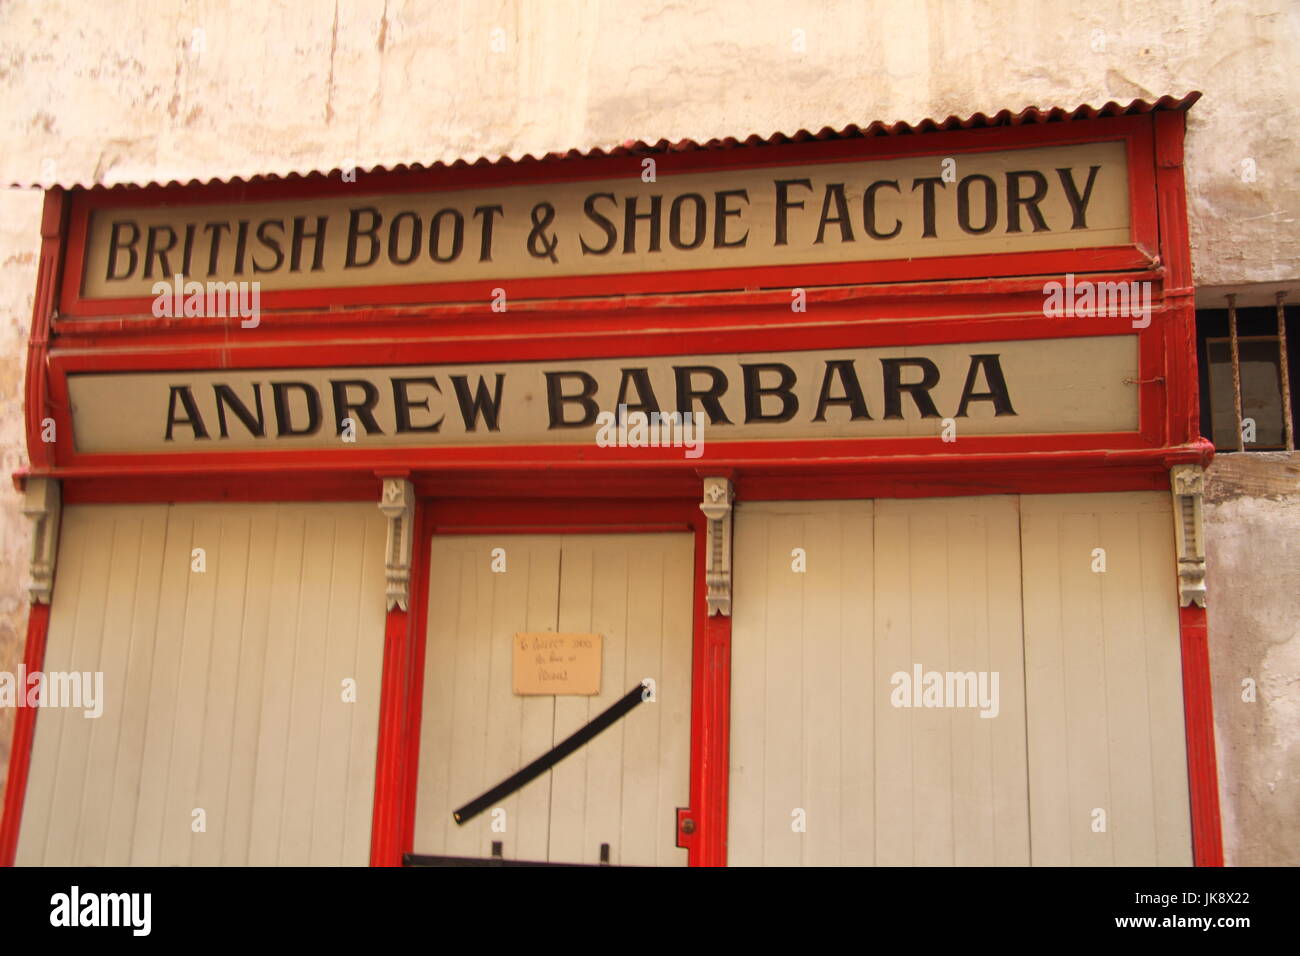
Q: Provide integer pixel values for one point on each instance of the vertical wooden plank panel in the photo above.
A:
(299, 806)
(568, 778)
(80, 525)
(471, 774)
(191, 688)
(823, 718)
(648, 610)
(1120, 673)
(831, 756)
(1132, 816)
(339, 639)
(79, 654)
(673, 707)
(181, 726)
(475, 732)
(1163, 652)
(932, 797)
(933, 597)
(784, 731)
(859, 685)
(177, 577)
(432, 819)
(605, 755)
(237, 834)
(971, 757)
(146, 598)
(894, 726)
(214, 755)
(1007, 733)
(505, 709)
(816, 625)
(277, 689)
(1085, 691)
(1045, 713)
(363, 731)
(537, 733)
(751, 593)
(111, 660)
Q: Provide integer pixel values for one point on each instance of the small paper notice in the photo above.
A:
(549, 663)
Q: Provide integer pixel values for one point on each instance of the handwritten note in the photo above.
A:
(549, 663)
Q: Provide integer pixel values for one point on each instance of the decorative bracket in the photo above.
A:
(398, 506)
(718, 496)
(1188, 485)
(44, 505)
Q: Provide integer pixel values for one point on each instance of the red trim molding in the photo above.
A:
(37, 405)
(1202, 765)
(386, 828)
(20, 754)
(710, 730)
(404, 666)
(1184, 427)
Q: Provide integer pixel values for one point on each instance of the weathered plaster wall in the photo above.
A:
(125, 90)
(1252, 524)
(20, 224)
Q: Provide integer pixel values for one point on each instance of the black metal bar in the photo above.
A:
(1236, 370)
(420, 860)
(1284, 366)
(549, 759)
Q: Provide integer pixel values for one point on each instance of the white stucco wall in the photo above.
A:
(124, 91)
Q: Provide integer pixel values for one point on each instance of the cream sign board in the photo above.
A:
(1048, 386)
(916, 207)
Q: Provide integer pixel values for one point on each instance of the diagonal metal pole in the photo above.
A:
(553, 756)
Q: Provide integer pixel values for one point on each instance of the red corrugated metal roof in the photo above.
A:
(1029, 115)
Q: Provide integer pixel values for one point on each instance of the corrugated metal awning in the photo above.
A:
(1029, 115)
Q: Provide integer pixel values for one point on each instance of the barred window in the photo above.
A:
(1248, 364)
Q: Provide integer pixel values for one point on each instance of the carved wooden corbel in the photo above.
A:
(43, 503)
(718, 495)
(1188, 484)
(398, 506)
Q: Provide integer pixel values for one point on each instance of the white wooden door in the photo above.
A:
(623, 788)
(222, 688)
(1069, 599)
(950, 784)
(1107, 744)
(832, 599)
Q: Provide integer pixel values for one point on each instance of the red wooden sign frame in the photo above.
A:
(1134, 131)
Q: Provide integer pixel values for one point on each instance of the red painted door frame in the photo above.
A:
(704, 837)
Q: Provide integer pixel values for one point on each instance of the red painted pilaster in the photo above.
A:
(1202, 764)
(20, 754)
(386, 829)
(706, 844)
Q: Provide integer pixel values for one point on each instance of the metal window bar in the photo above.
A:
(1236, 370)
(1287, 424)
(1284, 370)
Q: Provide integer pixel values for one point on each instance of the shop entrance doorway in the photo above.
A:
(613, 800)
